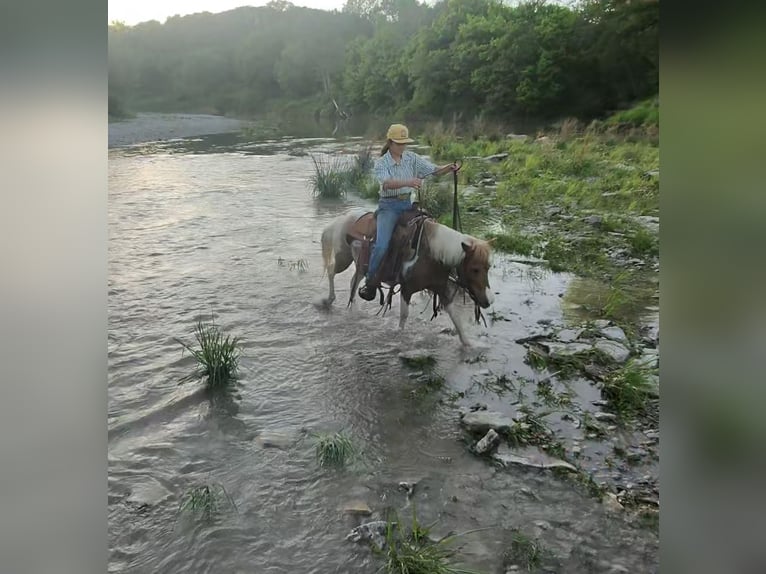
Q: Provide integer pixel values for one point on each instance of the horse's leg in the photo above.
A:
(336, 260)
(355, 279)
(404, 307)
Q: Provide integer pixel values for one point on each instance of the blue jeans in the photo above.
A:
(389, 210)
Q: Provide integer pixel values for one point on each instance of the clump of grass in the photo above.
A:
(334, 449)
(217, 356)
(299, 264)
(205, 500)
(628, 390)
(331, 178)
(524, 552)
(566, 366)
(414, 552)
(643, 243)
(512, 242)
(419, 361)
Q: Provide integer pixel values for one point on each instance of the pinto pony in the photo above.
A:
(444, 262)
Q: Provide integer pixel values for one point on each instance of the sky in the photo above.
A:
(132, 11)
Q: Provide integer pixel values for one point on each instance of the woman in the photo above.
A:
(399, 172)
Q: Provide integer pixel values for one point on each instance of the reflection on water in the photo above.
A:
(197, 227)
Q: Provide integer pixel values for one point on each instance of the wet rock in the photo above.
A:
(611, 503)
(497, 157)
(408, 486)
(274, 440)
(559, 350)
(488, 181)
(601, 416)
(518, 137)
(487, 443)
(149, 492)
(374, 532)
(568, 335)
(600, 323)
(652, 173)
(594, 220)
(357, 508)
(530, 457)
(614, 334)
(617, 352)
(483, 421)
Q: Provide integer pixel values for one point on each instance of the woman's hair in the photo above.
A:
(385, 147)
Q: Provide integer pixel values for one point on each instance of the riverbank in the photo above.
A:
(149, 127)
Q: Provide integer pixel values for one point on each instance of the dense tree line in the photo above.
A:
(462, 58)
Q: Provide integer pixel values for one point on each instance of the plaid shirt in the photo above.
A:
(411, 165)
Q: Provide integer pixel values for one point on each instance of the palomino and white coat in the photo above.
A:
(442, 250)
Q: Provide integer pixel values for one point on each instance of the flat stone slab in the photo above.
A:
(615, 334)
(531, 457)
(278, 440)
(149, 492)
(357, 508)
(555, 349)
(483, 421)
(616, 351)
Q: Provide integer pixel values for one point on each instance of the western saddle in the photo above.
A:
(401, 248)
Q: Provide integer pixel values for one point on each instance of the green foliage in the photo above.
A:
(334, 449)
(217, 356)
(628, 390)
(458, 58)
(414, 551)
(205, 500)
(524, 552)
(332, 177)
(645, 113)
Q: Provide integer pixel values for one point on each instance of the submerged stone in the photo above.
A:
(483, 421)
(274, 440)
(357, 508)
(531, 457)
(374, 532)
(149, 492)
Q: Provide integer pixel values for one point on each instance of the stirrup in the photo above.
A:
(368, 292)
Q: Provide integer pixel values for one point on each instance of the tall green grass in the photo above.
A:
(414, 551)
(217, 356)
(334, 449)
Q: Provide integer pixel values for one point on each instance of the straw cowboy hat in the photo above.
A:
(398, 133)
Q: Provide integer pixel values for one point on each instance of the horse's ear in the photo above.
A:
(491, 240)
(467, 247)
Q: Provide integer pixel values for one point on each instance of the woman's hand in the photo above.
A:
(415, 182)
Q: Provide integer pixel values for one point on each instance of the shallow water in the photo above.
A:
(211, 225)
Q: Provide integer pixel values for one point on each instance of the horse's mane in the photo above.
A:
(446, 245)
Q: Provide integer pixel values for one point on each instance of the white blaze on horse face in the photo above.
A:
(490, 296)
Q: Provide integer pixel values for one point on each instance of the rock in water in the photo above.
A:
(150, 492)
(531, 457)
(357, 508)
(374, 532)
(482, 421)
(488, 442)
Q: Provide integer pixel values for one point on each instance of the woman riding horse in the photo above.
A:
(400, 172)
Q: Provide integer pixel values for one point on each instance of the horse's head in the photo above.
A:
(474, 271)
